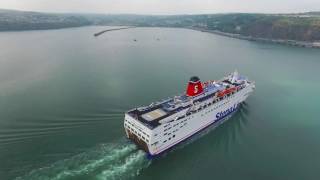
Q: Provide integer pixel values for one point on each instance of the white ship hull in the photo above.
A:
(169, 134)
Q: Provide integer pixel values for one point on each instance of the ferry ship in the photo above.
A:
(164, 124)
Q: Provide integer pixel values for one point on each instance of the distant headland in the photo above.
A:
(301, 29)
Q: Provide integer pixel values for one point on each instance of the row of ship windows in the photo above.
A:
(181, 126)
(173, 136)
(174, 130)
(217, 106)
(138, 129)
(174, 124)
(137, 133)
(169, 134)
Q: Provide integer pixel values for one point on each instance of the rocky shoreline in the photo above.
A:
(304, 44)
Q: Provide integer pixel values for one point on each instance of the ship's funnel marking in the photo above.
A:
(194, 87)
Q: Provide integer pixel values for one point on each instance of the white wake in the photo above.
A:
(107, 161)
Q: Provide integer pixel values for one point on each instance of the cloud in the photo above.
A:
(163, 6)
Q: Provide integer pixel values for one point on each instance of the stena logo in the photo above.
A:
(196, 89)
(226, 112)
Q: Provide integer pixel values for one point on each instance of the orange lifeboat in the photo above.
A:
(226, 91)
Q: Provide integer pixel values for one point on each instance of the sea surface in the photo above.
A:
(63, 94)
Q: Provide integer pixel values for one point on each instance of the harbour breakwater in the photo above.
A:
(108, 30)
(304, 44)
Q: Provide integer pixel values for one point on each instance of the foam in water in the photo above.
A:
(132, 166)
(106, 161)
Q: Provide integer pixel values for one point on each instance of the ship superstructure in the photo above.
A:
(162, 125)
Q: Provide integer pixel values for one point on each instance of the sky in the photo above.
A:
(163, 6)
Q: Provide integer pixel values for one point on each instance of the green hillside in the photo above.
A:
(301, 27)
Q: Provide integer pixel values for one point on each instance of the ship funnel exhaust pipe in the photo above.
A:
(194, 87)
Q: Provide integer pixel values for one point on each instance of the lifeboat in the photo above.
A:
(226, 91)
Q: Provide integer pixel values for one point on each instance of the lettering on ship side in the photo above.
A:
(226, 112)
(196, 89)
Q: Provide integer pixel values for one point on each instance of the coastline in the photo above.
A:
(305, 44)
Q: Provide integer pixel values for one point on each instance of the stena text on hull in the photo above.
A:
(164, 124)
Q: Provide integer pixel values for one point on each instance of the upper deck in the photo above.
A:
(151, 115)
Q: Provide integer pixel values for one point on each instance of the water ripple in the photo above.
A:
(50, 125)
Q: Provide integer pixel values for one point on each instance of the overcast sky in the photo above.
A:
(163, 6)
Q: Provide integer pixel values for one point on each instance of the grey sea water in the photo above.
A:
(63, 94)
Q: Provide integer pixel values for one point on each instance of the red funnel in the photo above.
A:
(194, 86)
